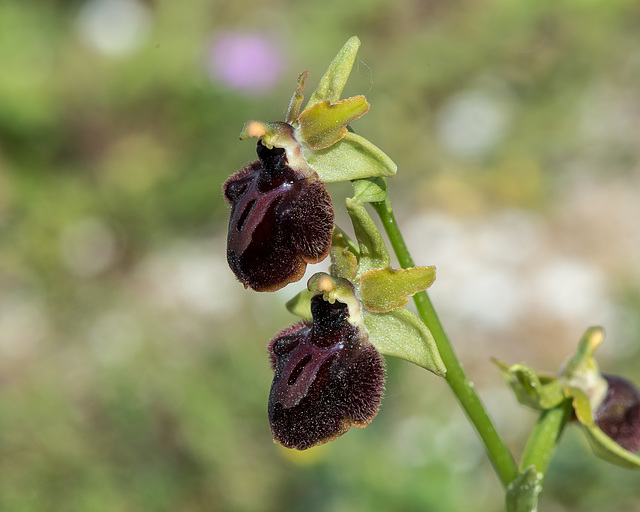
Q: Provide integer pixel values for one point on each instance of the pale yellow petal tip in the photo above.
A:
(253, 129)
(592, 339)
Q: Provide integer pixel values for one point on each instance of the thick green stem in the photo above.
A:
(545, 436)
(463, 389)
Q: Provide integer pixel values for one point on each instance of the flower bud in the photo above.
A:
(281, 219)
(327, 378)
(618, 415)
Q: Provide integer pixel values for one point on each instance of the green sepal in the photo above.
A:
(323, 124)
(335, 78)
(531, 389)
(400, 333)
(524, 490)
(344, 262)
(386, 289)
(370, 190)
(373, 251)
(351, 158)
(300, 304)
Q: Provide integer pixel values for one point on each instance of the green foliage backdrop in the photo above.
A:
(133, 370)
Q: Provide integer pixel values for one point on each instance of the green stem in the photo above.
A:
(463, 389)
(545, 436)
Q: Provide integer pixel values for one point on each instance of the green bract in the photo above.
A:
(539, 392)
(319, 133)
(370, 190)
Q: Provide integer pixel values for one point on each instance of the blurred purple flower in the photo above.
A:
(248, 63)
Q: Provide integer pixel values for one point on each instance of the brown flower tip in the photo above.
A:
(327, 378)
(618, 415)
(281, 219)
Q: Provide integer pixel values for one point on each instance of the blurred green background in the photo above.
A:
(133, 370)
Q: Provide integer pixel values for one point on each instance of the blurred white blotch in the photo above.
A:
(570, 289)
(24, 324)
(192, 278)
(115, 337)
(87, 247)
(113, 27)
(481, 260)
(473, 122)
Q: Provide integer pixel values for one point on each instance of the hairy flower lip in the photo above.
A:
(281, 219)
(618, 415)
(327, 378)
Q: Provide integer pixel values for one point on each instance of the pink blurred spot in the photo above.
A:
(245, 62)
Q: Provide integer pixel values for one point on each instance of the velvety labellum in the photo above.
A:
(618, 415)
(280, 221)
(300, 370)
(327, 378)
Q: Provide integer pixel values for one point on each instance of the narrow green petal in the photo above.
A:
(581, 404)
(297, 98)
(373, 251)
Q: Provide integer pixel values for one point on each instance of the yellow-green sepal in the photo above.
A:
(386, 289)
(323, 124)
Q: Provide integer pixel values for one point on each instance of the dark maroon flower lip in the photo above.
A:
(327, 378)
(281, 219)
(618, 415)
